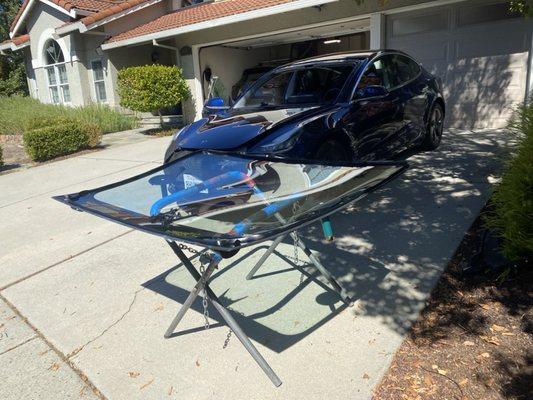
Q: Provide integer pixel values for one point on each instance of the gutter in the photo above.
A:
(72, 13)
(262, 12)
(82, 28)
(12, 46)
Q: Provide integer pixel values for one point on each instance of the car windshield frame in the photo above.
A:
(355, 64)
(128, 214)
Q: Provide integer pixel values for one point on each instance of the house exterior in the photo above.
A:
(74, 48)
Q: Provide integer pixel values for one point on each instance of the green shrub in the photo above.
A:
(151, 87)
(1, 158)
(512, 217)
(93, 132)
(52, 141)
(17, 113)
(42, 122)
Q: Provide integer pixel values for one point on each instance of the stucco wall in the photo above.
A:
(40, 24)
(228, 64)
(81, 49)
(133, 56)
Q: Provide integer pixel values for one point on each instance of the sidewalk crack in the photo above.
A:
(79, 349)
(18, 345)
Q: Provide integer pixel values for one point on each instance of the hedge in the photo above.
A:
(49, 138)
(149, 88)
(92, 130)
(513, 198)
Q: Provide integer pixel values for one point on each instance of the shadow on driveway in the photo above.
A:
(389, 250)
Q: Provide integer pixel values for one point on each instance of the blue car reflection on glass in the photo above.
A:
(356, 106)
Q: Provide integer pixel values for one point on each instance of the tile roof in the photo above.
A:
(93, 6)
(115, 8)
(195, 14)
(16, 41)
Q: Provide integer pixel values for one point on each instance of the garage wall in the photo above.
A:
(359, 41)
(478, 49)
(228, 63)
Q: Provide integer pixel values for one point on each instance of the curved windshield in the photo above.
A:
(297, 87)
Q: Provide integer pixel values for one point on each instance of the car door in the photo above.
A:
(413, 91)
(372, 122)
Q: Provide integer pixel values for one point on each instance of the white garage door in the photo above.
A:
(480, 50)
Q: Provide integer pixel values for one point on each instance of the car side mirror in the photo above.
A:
(215, 105)
(372, 91)
(215, 102)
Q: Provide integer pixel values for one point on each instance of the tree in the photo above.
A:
(150, 88)
(12, 72)
(524, 7)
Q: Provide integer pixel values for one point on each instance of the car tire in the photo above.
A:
(331, 151)
(434, 128)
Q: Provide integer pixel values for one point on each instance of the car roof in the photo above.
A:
(344, 56)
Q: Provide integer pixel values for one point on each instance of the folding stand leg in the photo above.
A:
(200, 285)
(226, 315)
(316, 262)
(325, 273)
(263, 258)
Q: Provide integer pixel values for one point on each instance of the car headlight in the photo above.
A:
(278, 144)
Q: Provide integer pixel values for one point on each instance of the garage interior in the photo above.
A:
(228, 61)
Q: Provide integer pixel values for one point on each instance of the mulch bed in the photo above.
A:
(13, 150)
(15, 156)
(474, 339)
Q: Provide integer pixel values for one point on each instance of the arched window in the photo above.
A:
(56, 72)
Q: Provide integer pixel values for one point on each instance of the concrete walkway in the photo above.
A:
(97, 297)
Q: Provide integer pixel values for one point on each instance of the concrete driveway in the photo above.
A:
(84, 302)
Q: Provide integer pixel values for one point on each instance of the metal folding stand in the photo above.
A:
(202, 284)
(316, 262)
(202, 280)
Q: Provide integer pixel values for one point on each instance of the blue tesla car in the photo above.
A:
(355, 106)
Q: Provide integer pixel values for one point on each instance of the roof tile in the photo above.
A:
(93, 6)
(195, 14)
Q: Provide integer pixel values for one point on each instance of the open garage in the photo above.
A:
(229, 67)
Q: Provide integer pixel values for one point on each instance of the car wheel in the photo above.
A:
(434, 128)
(332, 150)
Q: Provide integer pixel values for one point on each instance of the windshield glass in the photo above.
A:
(306, 86)
(223, 200)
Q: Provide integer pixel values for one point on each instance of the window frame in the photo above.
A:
(353, 97)
(58, 84)
(95, 81)
(293, 70)
(54, 67)
(410, 59)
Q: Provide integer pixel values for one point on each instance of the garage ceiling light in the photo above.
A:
(331, 41)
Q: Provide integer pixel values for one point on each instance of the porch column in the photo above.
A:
(192, 108)
(377, 31)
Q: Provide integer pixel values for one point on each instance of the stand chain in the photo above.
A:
(204, 298)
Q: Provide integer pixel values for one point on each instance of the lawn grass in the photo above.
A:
(17, 112)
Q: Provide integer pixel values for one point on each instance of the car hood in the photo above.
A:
(233, 132)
